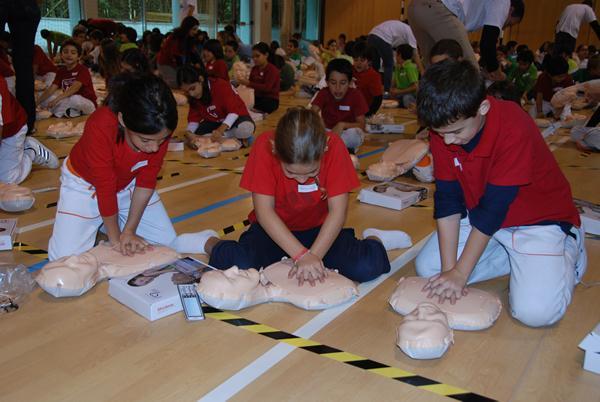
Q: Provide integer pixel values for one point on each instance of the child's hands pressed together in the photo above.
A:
(309, 268)
(447, 285)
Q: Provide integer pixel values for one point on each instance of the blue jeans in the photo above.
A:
(358, 260)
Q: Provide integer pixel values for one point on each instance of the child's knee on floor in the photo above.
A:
(538, 313)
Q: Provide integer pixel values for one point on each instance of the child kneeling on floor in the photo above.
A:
(300, 176)
(502, 204)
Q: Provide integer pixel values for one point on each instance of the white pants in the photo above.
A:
(15, 163)
(546, 109)
(76, 102)
(353, 137)
(78, 218)
(543, 262)
(47, 78)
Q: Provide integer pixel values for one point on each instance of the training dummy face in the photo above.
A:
(234, 289)
(475, 311)
(424, 332)
(69, 276)
(15, 198)
(75, 275)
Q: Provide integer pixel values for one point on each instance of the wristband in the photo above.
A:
(301, 254)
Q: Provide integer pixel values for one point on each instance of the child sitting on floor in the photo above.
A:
(368, 81)
(405, 76)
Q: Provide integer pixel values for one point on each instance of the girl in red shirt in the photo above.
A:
(110, 175)
(213, 58)
(215, 108)
(300, 176)
(264, 79)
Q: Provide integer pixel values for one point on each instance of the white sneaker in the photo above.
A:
(41, 155)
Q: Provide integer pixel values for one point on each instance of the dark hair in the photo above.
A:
(293, 42)
(502, 49)
(71, 42)
(274, 45)
(349, 48)
(342, 35)
(341, 66)
(191, 75)
(526, 56)
(145, 102)
(297, 36)
(405, 51)
(232, 44)
(109, 59)
(588, 3)
(511, 44)
(277, 61)
(78, 30)
(5, 36)
(518, 7)
(186, 26)
(581, 46)
(44, 33)
(131, 34)
(556, 65)
(505, 90)
(156, 39)
(330, 41)
(593, 62)
(522, 48)
(137, 60)
(97, 35)
(448, 47)
(229, 28)
(543, 46)
(215, 47)
(300, 136)
(592, 49)
(449, 91)
(363, 50)
(263, 48)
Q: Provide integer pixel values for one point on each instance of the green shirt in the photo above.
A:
(296, 59)
(127, 46)
(523, 81)
(58, 37)
(582, 75)
(287, 76)
(405, 75)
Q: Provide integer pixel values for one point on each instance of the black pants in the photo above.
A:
(595, 119)
(386, 53)
(207, 127)
(564, 42)
(22, 17)
(266, 105)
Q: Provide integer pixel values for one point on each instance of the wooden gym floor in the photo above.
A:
(92, 348)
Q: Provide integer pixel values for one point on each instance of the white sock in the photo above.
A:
(391, 239)
(194, 242)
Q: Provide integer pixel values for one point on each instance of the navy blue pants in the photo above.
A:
(358, 260)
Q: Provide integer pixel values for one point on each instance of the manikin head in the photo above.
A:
(424, 333)
(69, 276)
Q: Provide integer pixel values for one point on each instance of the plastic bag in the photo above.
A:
(15, 284)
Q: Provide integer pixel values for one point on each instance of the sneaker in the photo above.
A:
(386, 95)
(41, 155)
(72, 113)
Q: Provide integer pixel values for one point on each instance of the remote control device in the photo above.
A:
(190, 302)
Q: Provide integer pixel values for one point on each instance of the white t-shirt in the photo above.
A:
(571, 19)
(474, 14)
(184, 6)
(395, 33)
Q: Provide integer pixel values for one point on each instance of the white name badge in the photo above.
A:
(307, 188)
(345, 108)
(139, 165)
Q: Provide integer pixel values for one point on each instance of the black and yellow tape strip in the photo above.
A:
(233, 228)
(20, 246)
(201, 165)
(351, 359)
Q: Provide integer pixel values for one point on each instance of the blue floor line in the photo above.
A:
(206, 209)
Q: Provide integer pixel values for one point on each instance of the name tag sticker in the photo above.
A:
(139, 165)
(307, 188)
(345, 108)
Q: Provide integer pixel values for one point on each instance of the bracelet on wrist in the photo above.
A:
(301, 254)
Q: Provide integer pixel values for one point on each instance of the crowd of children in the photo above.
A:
(301, 173)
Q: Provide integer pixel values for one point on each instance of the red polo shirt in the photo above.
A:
(299, 207)
(369, 83)
(347, 109)
(43, 63)
(223, 101)
(12, 116)
(217, 69)
(65, 78)
(511, 152)
(265, 81)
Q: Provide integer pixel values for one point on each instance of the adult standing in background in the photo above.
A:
(187, 8)
(22, 17)
(432, 20)
(385, 37)
(569, 24)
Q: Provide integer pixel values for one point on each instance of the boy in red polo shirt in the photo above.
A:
(368, 81)
(342, 108)
(72, 93)
(43, 68)
(17, 151)
(497, 174)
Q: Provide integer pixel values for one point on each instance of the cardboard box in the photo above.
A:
(591, 346)
(394, 195)
(590, 215)
(8, 230)
(385, 128)
(155, 295)
(175, 145)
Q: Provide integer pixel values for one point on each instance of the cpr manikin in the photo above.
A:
(476, 311)
(235, 289)
(230, 144)
(207, 148)
(424, 333)
(15, 198)
(65, 130)
(241, 72)
(399, 157)
(74, 275)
